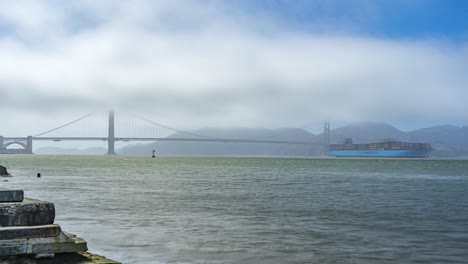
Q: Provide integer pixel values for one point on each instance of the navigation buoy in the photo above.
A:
(38, 175)
(154, 156)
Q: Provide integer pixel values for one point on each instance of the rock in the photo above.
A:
(61, 258)
(7, 195)
(29, 212)
(3, 171)
(41, 256)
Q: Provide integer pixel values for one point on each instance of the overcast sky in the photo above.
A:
(193, 64)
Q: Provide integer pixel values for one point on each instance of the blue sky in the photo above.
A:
(400, 19)
(194, 63)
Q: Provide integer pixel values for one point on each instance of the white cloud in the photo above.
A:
(194, 64)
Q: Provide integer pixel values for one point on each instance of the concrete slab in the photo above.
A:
(41, 246)
(29, 212)
(7, 195)
(13, 247)
(59, 244)
(18, 232)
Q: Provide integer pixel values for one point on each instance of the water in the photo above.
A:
(255, 210)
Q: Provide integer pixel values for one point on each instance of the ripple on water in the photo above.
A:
(237, 210)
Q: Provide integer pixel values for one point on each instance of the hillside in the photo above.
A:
(232, 149)
(367, 132)
(447, 141)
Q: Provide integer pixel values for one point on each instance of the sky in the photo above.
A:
(240, 63)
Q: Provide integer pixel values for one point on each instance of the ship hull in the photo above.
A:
(400, 153)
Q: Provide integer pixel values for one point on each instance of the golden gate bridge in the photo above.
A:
(87, 128)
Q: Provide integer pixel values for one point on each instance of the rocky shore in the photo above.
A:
(3, 171)
(29, 235)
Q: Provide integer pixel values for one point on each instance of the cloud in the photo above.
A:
(195, 63)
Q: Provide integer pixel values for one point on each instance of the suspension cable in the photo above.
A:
(163, 126)
(62, 126)
(173, 129)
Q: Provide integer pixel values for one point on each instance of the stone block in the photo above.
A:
(13, 247)
(60, 244)
(42, 246)
(7, 195)
(18, 232)
(29, 212)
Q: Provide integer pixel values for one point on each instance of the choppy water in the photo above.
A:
(255, 210)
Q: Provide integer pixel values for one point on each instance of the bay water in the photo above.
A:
(254, 210)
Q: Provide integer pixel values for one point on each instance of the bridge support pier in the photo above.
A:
(26, 146)
(2, 145)
(29, 141)
(111, 136)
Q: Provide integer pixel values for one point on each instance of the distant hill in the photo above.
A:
(447, 141)
(233, 149)
(367, 132)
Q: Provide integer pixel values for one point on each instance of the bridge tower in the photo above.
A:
(29, 149)
(111, 135)
(326, 138)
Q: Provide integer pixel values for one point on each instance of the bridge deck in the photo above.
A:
(225, 140)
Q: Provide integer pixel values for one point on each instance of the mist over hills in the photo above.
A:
(447, 141)
(232, 149)
(367, 132)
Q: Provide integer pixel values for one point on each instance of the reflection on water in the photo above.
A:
(258, 210)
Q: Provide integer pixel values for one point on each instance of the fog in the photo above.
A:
(192, 64)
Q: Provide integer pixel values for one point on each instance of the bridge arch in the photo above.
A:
(17, 143)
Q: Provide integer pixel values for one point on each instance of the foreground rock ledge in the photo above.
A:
(28, 234)
(62, 258)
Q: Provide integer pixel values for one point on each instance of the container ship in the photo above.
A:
(389, 148)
